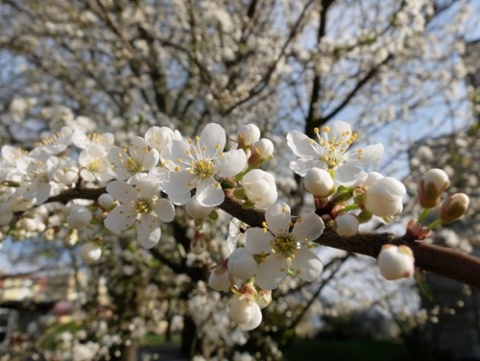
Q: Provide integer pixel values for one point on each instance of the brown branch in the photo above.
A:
(440, 260)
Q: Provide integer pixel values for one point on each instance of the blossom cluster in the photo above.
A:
(146, 179)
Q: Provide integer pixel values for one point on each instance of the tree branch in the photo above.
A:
(440, 260)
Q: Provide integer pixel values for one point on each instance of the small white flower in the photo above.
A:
(141, 207)
(395, 262)
(137, 158)
(84, 141)
(95, 164)
(200, 164)
(260, 188)
(55, 144)
(331, 152)
(284, 250)
(160, 137)
(384, 198)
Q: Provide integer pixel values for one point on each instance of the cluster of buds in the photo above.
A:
(431, 187)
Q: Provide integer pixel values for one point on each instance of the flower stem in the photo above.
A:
(435, 224)
(424, 215)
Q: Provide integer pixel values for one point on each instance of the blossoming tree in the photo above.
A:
(163, 121)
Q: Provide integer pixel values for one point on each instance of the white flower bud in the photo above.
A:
(454, 207)
(106, 201)
(395, 262)
(79, 217)
(347, 225)
(264, 298)
(247, 135)
(319, 182)
(263, 147)
(90, 252)
(431, 186)
(260, 188)
(219, 278)
(241, 309)
(384, 197)
(198, 245)
(241, 264)
(196, 210)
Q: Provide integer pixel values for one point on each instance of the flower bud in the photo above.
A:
(347, 225)
(384, 197)
(241, 309)
(319, 182)
(260, 188)
(195, 210)
(395, 262)
(247, 135)
(90, 252)
(244, 310)
(79, 217)
(454, 207)
(219, 278)
(262, 150)
(431, 186)
(106, 201)
(198, 244)
(264, 298)
(241, 264)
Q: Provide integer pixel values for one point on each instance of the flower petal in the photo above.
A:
(302, 165)
(301, 145)
(271, 272)
(349, 175)
(164, 210)
(120, 218)
(231, 163)
(147, 188)
(148, 231)
(258, 241)
(122, 191)
(179, 182)
(365, 156)
(308, 228)
(177, 154)
(210, 193)
(212, 140)
(307, 265)
(339, 131)
(278, 217)
(255, 320)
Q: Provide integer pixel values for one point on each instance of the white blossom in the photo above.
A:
(284, 249)
(331, 152)
(141, 207)
(200, 164)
